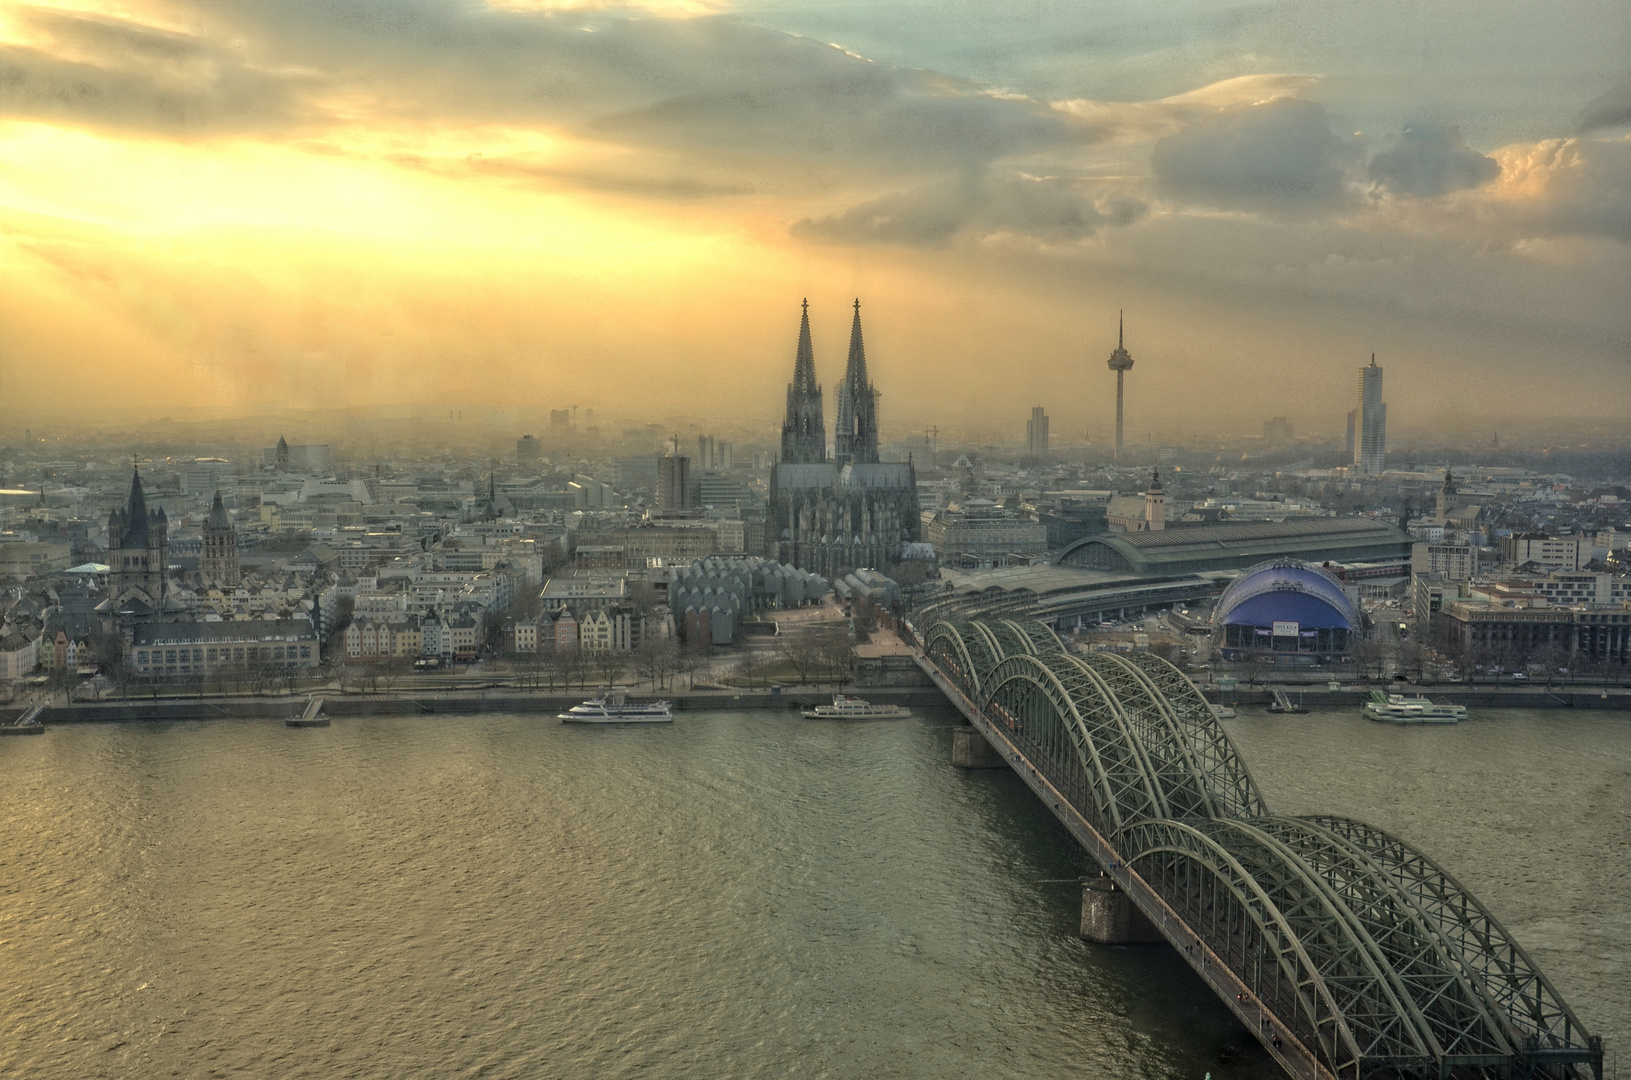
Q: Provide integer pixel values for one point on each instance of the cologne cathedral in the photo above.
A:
(833, 515)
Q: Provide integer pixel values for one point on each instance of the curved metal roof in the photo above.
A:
(1288, 590)
(1192, 549)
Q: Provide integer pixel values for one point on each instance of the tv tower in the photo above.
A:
(1121, 362)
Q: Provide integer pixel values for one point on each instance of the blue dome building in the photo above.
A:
(1287, 608)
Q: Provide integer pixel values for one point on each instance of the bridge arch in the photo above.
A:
(1034, 694)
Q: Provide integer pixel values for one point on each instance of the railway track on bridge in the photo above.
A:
(1349, 954)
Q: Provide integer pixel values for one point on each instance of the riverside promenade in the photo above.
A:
(501, 698)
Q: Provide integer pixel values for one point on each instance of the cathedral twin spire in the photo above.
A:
(804, 433)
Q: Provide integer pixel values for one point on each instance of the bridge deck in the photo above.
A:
(1346, 952)
(1261, 1021)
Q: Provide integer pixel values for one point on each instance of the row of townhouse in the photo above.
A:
(451, 635)
(601, 629)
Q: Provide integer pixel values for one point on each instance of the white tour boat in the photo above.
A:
(613, 708)
(1223, 712)
(1398, 709)
(853, 708)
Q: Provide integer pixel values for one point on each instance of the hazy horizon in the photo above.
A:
(251, 209)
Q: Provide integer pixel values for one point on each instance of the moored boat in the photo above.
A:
(1398, 709)
(844, 707)
(613, 707)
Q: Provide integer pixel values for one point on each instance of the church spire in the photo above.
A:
(856, 436)
(804, 429)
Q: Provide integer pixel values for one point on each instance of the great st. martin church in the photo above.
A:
(833, 516)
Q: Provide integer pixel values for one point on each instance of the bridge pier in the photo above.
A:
(1109, 916)
(969, 750)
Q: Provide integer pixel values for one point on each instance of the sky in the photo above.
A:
(243, 207)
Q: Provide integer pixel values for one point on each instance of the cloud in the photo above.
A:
(1045, 208)
(1565, 187)
(851, 111)
(121, 74)
(1426, 162)
(1281, 155)
(1612, 110)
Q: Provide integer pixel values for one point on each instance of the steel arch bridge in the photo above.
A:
(1349, 952)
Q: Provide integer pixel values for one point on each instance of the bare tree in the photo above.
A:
(800, 651)
(655, 660)
(1251, 665)
(835, 655)
(607, 665)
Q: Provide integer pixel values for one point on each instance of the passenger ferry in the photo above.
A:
(613, 707)
(853, 708)
(1398, 709)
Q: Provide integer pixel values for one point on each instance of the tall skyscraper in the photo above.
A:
(855, 437)
(674, 480)
(1036, 433)
(804, 430)
(1121, 362)
(1370, 423)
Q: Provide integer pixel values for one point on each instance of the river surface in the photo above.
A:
(741, 894)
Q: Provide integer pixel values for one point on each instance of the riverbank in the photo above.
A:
(1514, 697)
(445, 703)
(528, 702)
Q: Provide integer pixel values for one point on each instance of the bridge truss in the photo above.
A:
(1344, 938)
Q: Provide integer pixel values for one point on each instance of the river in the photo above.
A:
(739, 894)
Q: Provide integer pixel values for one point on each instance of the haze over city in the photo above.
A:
(939, 539)
(240, 207)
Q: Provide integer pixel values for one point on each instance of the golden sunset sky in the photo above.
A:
(240, 206)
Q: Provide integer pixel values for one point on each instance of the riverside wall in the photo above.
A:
(504, 700)
(444, 703)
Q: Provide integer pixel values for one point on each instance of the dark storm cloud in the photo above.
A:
(1427, 162)
(1278, 156)
(1046, 208)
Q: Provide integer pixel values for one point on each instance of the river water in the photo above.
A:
(740, 894)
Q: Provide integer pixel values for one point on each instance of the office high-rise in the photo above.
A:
(1370, 423)
(1036, 433)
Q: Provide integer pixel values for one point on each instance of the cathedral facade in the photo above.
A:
(138, 550)
(831, 516)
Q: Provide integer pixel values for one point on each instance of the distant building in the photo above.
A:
(24, 558)
(674, 482)
(528, 452)
(981, 531)
(1139, 513)
(1370, 425)
(1286, 608)
(1036, 433)
(635, 473)
(829, 517)
(218, 559)
(1557, 552)
(190, 649)
(1121, 362)
(1278, 430)
(1202, 548)
(138, 550)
